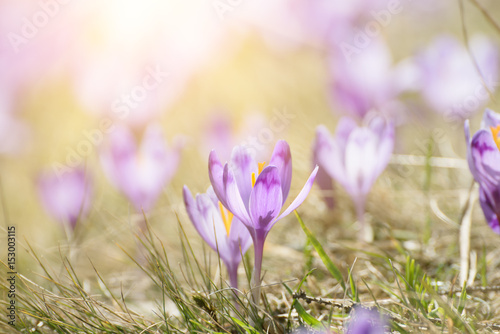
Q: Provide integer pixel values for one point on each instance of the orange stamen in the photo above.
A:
(496, 138)
(227, 217)
(261, 167)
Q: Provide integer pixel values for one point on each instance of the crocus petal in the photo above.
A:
(139, 173)
(215, 173)
(195, 216)
(301, 196)
(362, 81)
(450, 76)
(360, 162)
(152, 168)
(365, 321)
(240, 235)
(282, 158)
(154, 147)
(211, 193)
(485, 158)
(207, 220)
(345, 127)
(488, 210)
(65, 197)
(219, 135)
(469, 155)
(233, 198)
(243, 165)
(490, 119)
(385, 145)
(329, 154)
(117, 155)
(266, 199)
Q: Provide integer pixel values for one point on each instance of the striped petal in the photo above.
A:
(266, 199)
(282, 159)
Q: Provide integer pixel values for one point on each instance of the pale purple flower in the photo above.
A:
(66, 197)
(139, 172)
(362, 80)
(222, 133)
(256, 195)
(452, 80)
(355, 156)
(365, 321)
(224, 233)
(483, 156)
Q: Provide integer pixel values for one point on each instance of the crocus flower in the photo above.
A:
(483, 155)
(222, 133)
(224, 233)
(452, 81)
(140, 173)
(65, 197)
(256, 194)
(365, 321)
(355, 157)
(362, 80)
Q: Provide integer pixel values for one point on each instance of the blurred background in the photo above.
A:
(83, 83)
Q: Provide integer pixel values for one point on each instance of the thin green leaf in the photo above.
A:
(332, 268)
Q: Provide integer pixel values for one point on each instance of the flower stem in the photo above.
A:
(258, 245)
(365, 231)
(232, 272)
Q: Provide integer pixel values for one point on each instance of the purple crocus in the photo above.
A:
(362, 80)
(455, 82)
(483, 155)
(365, 321)
(355, 157)
(140, 173)
(65, 197)
(256, 194)
(224, 233)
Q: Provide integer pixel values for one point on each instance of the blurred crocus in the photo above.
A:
(256, 194)
(140, 173)
(483, 155)
(455, 82)
(65, 197)
(362, 80)
(355, 157)
(365, 321)
(224, 233)
(221, 134)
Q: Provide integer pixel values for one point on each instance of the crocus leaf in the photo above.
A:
(247, 328)
(332, 268)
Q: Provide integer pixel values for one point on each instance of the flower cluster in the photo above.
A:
(254, 193)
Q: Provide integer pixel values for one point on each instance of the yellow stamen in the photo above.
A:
(227, 217)
(496, 138)
(261, 167)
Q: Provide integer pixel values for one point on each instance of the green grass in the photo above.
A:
(190, 298)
